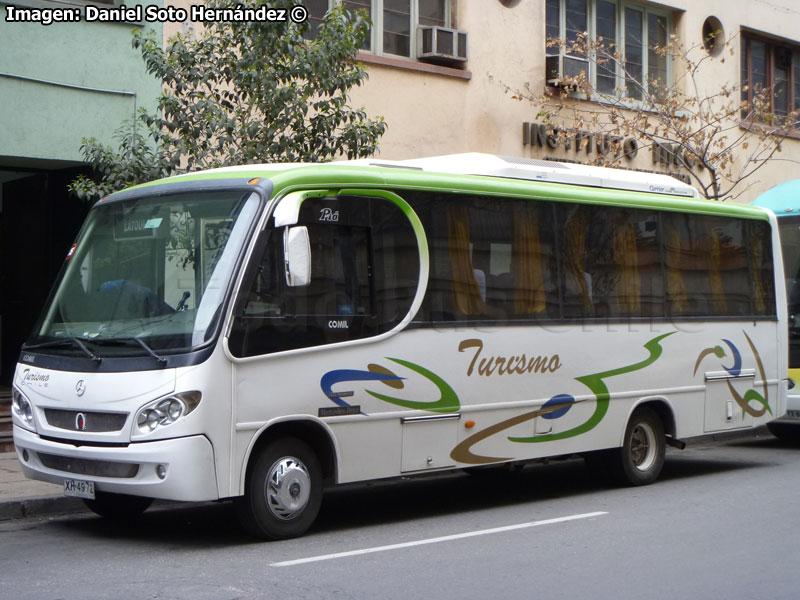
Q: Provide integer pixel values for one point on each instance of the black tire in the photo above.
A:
(641, 457)
(785, 432)
(120, 508)
(283, 491)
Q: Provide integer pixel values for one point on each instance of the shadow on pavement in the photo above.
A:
(207, 525)
(398, 500)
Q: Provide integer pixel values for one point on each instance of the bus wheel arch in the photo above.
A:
(662, 408)
(316, 435)
(287, 469)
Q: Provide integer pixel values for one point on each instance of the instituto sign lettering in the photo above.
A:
(538, 134)
(545, 136)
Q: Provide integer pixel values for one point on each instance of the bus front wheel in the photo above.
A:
(283, 491)
(641, 457)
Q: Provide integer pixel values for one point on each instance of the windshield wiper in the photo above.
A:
(126, 340)
(70, 341)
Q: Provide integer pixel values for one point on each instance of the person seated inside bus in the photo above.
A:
(128, 300)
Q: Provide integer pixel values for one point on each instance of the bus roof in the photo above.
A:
(532, 169)
(782, 199)
(469, 172)
(490, 165)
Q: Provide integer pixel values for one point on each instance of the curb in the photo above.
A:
(38, 507)
(41, 506)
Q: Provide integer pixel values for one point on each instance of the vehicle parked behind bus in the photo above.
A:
(261, 332)
(784, 201)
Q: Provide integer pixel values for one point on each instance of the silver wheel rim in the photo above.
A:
(643, 446)
(288, 488)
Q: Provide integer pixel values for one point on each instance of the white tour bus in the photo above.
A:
(261, 332)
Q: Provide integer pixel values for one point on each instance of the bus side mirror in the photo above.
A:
(297, 256)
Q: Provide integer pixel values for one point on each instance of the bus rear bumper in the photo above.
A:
(792, 415)
(187, 466)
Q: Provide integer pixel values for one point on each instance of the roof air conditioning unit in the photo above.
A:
(441, 45)
(559, 69)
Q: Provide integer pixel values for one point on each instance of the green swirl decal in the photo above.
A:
(595, 382)
(750, 396)
(598, 387)
(448, 400)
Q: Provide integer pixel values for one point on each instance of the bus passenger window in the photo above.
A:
(759, 249)
(492, 259)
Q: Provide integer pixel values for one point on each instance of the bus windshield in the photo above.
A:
(148, 274)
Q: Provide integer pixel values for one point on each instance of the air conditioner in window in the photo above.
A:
(559, 69)
(441, 45)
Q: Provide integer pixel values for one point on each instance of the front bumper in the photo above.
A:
(189, 462)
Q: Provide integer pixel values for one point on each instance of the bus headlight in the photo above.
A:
(22, 408)
(166, 411)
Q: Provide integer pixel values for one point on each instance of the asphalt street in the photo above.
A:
(722, 522)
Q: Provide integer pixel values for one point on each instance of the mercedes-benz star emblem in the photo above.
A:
(80, 387)
(80, 422)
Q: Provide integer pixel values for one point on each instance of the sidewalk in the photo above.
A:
(24, 498)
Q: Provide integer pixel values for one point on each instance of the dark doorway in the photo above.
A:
(38, 222)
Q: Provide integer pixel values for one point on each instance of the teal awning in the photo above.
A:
(782, 199)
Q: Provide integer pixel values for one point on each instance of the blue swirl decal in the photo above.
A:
(736, 369)
(563, 401)
(448, 400)
(331, 378)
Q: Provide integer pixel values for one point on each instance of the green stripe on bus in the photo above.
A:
(397, 180)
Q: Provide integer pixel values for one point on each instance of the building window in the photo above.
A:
(394, 22)
(633, 30)
(772, 69)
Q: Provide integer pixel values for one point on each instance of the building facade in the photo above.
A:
(439, 103)
(443, 73)
(59, 83)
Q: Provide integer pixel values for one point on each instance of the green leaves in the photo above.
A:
(243, 93)
(134, 161)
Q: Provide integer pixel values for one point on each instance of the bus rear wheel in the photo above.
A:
(640, 459)
(283, 491)
(118, 507)
(785, 432)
